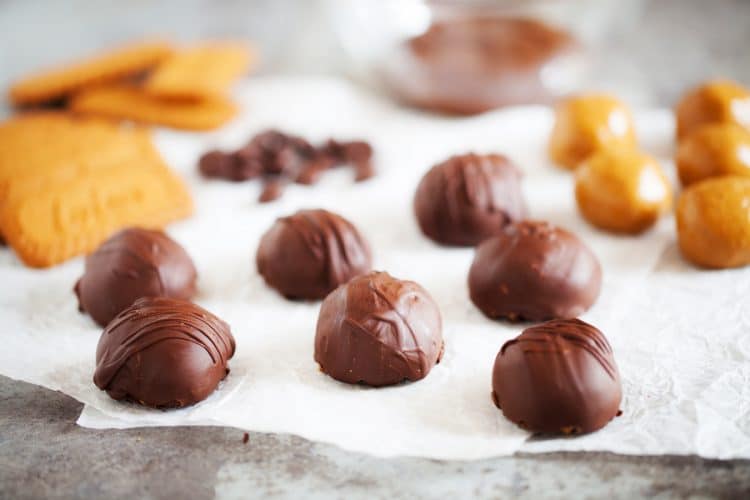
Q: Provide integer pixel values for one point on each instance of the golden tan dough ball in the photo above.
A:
(713, 222)
(588, 123)
(622, 190)
(717, 101)
(713, 150)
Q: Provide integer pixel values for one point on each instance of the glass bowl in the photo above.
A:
(465, 57)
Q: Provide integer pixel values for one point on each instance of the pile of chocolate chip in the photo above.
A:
(278, 159)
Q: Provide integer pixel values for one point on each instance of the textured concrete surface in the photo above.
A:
(43, 454)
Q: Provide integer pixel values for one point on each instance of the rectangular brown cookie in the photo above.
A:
(68, 182)
(37, 147)
(110, 66)
(132, 103)
(51, 225)
(200, 72)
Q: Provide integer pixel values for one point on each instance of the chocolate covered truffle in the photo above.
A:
(468, 198)
(534, 271)
(308, 254)
(133, 263)
(378, 330)
(163, 353)
(558, 377)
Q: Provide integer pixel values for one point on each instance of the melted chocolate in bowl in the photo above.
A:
(471, 65)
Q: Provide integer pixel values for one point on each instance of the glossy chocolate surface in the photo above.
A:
(378, 330)
(308, 254)
(558, 377)
(163, 353)
(469, 198)
(534, 271)
(133, 263)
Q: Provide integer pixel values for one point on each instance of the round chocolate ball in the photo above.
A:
(378, 330)
(163, 353)
(469, 198)
(534, 271)
(133, 263)
(558, 377)
(308, 254)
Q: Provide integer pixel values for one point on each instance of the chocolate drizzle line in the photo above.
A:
(305, 256)
(325, 237)
(419, 369)
(561, 336)
(159, 320)
(377, 330)
(142, 247)
(558, 377)
(133, 263)
(469, 198)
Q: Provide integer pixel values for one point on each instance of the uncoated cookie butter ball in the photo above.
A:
(534, 271)
(713, 150)
(378, 330)
(558, 377)
(134, 263)
(717, 101)
(307, 255)
(622, 190)
(586, 124)
(469, 198)
(713, 222)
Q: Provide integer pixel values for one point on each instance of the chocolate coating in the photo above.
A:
(466, 199)
(558, 377)
(308, 254)
(534, 271)
(163, 353)
(133, 263)
(378, 330)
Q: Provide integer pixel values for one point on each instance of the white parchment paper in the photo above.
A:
(681, 336)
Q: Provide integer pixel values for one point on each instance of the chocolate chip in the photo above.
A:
(285, 158)
(272, 190)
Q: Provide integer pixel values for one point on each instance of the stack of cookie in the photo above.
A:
(70, 178)
(148, 82)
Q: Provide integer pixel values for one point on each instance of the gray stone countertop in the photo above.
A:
(43, 454)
